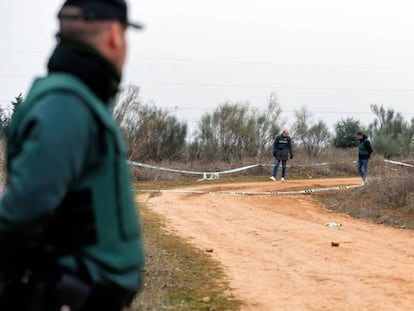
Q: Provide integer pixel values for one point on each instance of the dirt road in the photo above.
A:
(278, 254)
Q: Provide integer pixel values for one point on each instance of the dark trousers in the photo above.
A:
(108, 299)
(276, 167)
(362, 166)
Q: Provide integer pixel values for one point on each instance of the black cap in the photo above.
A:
(116, 10)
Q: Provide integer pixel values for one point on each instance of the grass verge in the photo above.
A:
(179, 276)
(387, 199)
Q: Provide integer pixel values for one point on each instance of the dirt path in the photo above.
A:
(278, 254)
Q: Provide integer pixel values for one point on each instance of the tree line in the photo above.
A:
(236, 131)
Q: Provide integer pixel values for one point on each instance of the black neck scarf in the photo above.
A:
(88, 65)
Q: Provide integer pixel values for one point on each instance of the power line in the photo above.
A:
(7, 51)
(249, 62)
(250, 86)
(235, 62)
(343, 112)
(15, 76)
(177, 108)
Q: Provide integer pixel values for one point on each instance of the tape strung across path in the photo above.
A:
(307, 191)
(206, 175)
(399, 163)
(216, 175)
(310, 165)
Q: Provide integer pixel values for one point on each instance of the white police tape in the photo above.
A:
(398, 163)
(307, 191)
(216, 175)
(163, 168)
(206, 175)
(310, 165)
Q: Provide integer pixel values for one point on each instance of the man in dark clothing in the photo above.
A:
(282, 150)
(70, 238)
(364, 153)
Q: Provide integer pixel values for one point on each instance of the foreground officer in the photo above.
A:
(69, 234)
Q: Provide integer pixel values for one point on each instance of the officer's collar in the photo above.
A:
(88, 65)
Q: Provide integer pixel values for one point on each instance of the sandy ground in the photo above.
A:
(277, 251)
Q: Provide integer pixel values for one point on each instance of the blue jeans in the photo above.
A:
(362, 166)
(276, 167)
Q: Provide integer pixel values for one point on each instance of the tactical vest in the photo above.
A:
(97, 222)
(362, 149)
(282, 142)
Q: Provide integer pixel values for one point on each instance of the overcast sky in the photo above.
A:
(335, 57)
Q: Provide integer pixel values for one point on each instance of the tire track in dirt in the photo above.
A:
(278, 254)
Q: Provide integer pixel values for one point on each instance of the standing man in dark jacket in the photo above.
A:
(364, 153)
(282, 150)
(69, 232)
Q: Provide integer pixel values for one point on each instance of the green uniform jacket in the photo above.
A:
(68, 188)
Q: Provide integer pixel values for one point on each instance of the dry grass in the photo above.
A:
(388, 198)
(178, 276)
